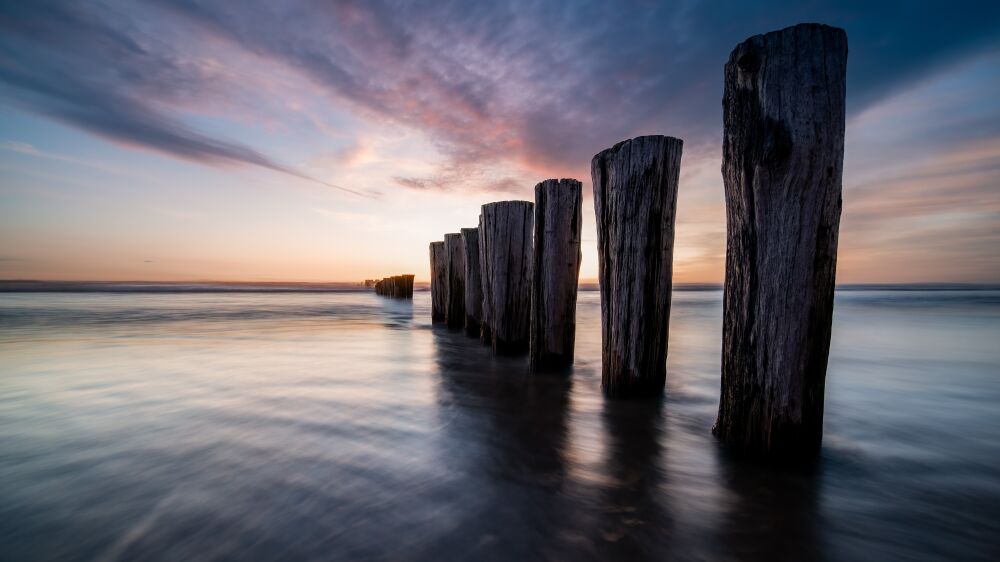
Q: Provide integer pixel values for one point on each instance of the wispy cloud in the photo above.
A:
(547, 87)
(534, 84)
(105, 77)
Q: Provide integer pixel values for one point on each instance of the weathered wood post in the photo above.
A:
(439, 282)
(555, 272)
(473, 282)
(508, 228)
(635, 198)
(783, 152)
(455, 312)
(399, 286)
(486, 323)
(408, 286)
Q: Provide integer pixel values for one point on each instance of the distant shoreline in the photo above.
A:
(166, 287)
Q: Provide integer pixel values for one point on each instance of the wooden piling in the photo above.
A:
(439, 282)
(408, 286)
(473, 282)
(486, 323)
(507, 231)
(783, 153)
(397, 286)
(555, 273)
(455, 251)
(635, 198)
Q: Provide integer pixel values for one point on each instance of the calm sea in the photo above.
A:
(305, 424)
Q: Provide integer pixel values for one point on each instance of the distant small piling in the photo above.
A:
(555, 272)
(635, 199)
(783, 154)
(397, 286)
(473, 282)
(439, 282)
(507, 228)
(455, 252)
(486, 322)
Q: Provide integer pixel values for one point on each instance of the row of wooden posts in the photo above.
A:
(513, 280)
(397, 286)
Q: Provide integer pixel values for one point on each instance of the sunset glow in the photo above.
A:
(165, 141)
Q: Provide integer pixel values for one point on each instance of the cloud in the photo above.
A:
(546, 87)
(414, 183)
(538, 85)
(100, 76)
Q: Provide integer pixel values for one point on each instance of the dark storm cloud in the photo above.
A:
(543, 84)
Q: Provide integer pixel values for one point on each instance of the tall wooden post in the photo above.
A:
(508, 228)
(455, 312)
(473, 282)
(783, 152)
(439, 282)
(486, 323)
(635, 198)
(555, 272)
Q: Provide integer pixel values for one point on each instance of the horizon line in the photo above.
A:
(582, 282)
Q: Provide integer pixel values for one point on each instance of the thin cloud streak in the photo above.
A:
(63, 82)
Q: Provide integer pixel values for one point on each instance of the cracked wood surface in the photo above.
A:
(783, 151)
(454, 249)
(439, 282)
(507, 245)
(635, 199)
(555, 273)
(473, 282)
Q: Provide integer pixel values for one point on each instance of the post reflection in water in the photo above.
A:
(507, 431)
(636, 522)
(769, 512)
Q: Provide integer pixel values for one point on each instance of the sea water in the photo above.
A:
(261, 424)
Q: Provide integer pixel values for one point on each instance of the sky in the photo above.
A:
(332, 141)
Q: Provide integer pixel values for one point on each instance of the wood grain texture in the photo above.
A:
(439, 282)
(455, 251)
(635, 199)
(783, 152)
(507, 229)
(555, 273)
(486, 325)
(473, 282)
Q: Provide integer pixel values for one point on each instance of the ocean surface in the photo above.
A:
(313, 424)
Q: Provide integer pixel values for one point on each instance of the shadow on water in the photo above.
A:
(769, 512)
(505, 432)
(508, 432)
(635, 521)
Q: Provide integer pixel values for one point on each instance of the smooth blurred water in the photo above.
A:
(315, 425)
